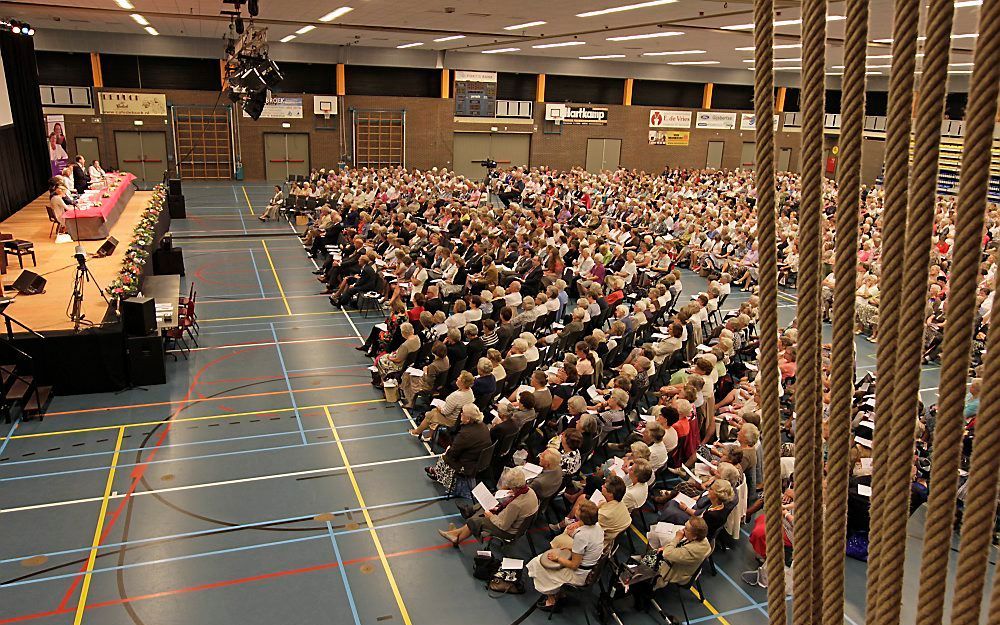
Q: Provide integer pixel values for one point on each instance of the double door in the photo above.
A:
(603, 154)
(143, 153)
(286, 154)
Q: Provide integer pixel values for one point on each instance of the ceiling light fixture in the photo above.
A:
(829, 18)
(499, 50)
(524, 25)
(627, 7)
(561, 44)
(332, 15)
(968, 3)
(959, 71)
(125, 4)
(954, 36)
(786, 60)
(669, 33)
(602, 56)
(152, 31)
(140, 20)
(693, 63)
(287, 39)
(784, 46)
(410, 45)
(673, 53)
(450, 38)
(305, 29)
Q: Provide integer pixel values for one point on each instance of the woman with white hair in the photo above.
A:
(503, 521)
(461, 459)
(714, 507)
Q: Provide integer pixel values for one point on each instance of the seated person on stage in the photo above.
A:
(413, 385)
(714, 508)
(81, 180)
(58, 201)
(96, 172)
(505, 520)
(572, 566)
(271, 212)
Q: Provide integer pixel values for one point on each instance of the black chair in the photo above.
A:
(55, 227)
(482, 465)
(525, 530)
(692, 584)
(19, 248)
(584, 590)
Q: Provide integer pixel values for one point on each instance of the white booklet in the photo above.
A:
(414, 372)
(667, 529)
(592, 392)
(598, 497)
(684, 499)
(511, 564)
(531, 470)
(485, 498)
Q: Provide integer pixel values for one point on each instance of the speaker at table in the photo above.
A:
(139, 316)
(174, 187)
(176, 206)
(145, 360)
(30, 283)
(107, 248)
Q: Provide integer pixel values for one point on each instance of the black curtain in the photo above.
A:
(25, 171)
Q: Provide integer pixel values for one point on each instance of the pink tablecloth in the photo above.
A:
(94, 215)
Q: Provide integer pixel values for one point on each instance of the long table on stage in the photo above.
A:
(94, 215)
(92, 360)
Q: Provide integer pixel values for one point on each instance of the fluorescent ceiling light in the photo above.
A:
(561, 44)
(669, 33)
(451, 38)
(602, 56)
(959, 71)
(968, 3)
(627, 7)
(693, 63)
(787, 69)
(140, 20)
(125, 4)
(305, 29)
(524, 25)
(788, 60)
(829, 18)
(954, 36)
(784, 46)
(960, 64)
(410, 45)
(673, 53)
(499, 50)
(152, 31)
(287, 39)
(332, 15)
(879, 56)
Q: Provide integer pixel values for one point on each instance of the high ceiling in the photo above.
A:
(481, 25)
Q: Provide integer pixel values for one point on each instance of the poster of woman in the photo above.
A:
(58, 156)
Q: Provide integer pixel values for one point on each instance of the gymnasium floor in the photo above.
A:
(267, 481)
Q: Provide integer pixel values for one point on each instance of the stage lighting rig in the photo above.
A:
(249, 72)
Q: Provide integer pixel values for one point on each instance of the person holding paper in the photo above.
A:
(521, 411)
(611, 511)
(391, 362)
(547, 484)
(714, 507)
(412, 385)
(570, 567)
(682, 555)
(505, 519)
(447, 414)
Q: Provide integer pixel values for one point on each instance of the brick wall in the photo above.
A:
(430, 128)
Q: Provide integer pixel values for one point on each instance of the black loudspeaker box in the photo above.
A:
(176, 206)
(30, 283)
(145, 360)
(107, 248)
(174, 186)
(169, 262)
(139, 316)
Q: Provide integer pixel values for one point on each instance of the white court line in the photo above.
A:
(242, 480)
(262, 344)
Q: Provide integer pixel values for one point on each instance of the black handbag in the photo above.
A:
(485, 567)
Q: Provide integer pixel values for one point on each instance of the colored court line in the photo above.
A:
(343, 573)
(288, 383)
(705, 602)
(102, 428)
(277, 280)
(241, 480)
(289, 314)
(249, 205)
(9, 435)
(85, 588)
(265, 344)
(256, 273)
(368, 519)
(195, 400)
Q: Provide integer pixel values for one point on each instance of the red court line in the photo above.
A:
(290, 375)
(232, 582)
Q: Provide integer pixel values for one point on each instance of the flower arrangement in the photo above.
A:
(129, 279)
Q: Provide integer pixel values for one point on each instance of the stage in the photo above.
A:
(46, 312)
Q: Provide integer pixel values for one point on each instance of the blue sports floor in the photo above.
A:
(267, 482)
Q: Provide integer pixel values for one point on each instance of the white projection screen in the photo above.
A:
(6, 118)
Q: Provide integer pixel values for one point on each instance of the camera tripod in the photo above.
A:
(75, 308)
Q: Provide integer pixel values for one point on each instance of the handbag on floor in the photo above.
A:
(485, 567)
(509, 582)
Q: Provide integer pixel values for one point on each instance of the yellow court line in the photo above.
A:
(368, 520)
(228, 415)
(278, 315)
(704, 602)
(85, 588)
(276, 279)
(249, 205)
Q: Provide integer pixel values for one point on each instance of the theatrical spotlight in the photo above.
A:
(250, 74)
(16, 27)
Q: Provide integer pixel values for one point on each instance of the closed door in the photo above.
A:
(603, 154)
(714, 160)
(784, 159)
(286, 154)
(87, 148)
(472, 148)
(748, 155)
(143, 153)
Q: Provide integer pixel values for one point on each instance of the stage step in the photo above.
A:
(19, 390)
(38, 402)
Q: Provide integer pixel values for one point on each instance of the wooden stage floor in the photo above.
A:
(46, 312)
